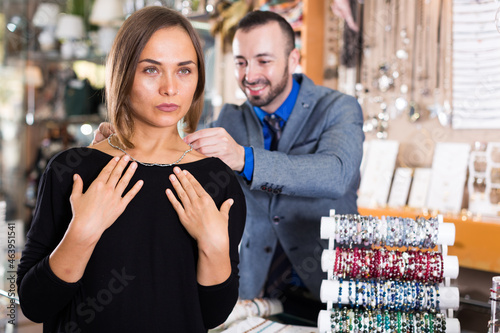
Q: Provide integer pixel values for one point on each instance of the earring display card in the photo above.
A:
(420, 188)
(484, 180)
(377, 173)
(400, 187)
(449, 171)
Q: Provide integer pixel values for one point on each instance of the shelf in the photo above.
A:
(476, 238)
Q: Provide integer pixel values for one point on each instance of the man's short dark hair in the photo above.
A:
(258, 17)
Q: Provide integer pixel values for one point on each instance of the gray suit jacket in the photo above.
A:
(315, 169)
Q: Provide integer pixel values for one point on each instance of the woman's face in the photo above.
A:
(165, 79)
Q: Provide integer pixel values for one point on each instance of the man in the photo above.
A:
(314, 168)
(293, 176)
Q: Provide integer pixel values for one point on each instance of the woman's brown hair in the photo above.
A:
(122, 64)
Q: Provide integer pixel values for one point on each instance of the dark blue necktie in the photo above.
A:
(274, 123)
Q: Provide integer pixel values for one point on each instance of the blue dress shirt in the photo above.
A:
(283, 112)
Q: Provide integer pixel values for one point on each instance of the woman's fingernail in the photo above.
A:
(177, 170)
(172, 178)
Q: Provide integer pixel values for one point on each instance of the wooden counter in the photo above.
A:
(477, 240)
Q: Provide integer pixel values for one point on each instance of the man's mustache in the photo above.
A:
(255, 83)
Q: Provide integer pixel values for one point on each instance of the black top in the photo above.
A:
(141, 276)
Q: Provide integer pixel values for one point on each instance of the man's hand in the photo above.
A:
(216, 142)
(102, 133)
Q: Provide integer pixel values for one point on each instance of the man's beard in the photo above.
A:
(264, 100)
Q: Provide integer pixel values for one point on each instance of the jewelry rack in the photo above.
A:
(484, 179)
(385, 273)
(494, 323)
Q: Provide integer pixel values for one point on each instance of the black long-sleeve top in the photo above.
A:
(141, 276)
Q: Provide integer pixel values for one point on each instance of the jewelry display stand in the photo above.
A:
(256, 316)
(494, 324)
(384, 275)
(258, 307)
(484, 179)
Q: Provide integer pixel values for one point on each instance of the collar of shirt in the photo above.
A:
(284, 110)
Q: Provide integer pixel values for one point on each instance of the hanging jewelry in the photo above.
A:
(414, 111)
(149, 164)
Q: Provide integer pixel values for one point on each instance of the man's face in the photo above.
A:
(262, 66)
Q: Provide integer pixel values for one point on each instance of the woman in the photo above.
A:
(139, 234)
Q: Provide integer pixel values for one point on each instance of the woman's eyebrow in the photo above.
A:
(182, 63)
(151, 61)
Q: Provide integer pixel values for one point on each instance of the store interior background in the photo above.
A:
(404, 66)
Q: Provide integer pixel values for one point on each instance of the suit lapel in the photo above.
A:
(255, 136)
(298, 118)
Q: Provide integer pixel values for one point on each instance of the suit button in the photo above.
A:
(277, 191)
(268, 249)
(276, 219)
(263, 188)
(269, 189)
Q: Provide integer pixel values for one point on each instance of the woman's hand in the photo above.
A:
(93, 212)
(205, 223)
(102, 203)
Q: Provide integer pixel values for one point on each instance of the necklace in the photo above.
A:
(148, 164)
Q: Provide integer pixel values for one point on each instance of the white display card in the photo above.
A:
(449, 171)
(377, 173)
(420, 187)
(400, 187)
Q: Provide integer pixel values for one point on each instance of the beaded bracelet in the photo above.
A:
(392, 295)
(385, 321)
(387, 231)
(411, 265)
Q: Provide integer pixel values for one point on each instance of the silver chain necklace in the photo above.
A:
(148, 164)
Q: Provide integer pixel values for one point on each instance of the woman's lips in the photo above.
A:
(167, 107)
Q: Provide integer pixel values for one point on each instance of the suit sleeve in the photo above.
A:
(218, 301)
(42, 294)
(331, 170)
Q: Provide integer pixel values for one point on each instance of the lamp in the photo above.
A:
(46, 18)
(108, 15)
(70, 29)
(34, 79)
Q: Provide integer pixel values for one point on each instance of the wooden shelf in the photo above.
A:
(477, 239)
(312, 34)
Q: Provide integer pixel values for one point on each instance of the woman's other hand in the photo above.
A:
(205, 223)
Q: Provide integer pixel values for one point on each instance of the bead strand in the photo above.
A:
(384, 321)
(411, 265)
(353, 229)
